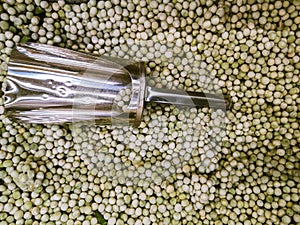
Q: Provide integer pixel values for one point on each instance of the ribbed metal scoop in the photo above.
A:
(48, 84)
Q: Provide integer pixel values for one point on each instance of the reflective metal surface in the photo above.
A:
(186, 98)
(47, 84)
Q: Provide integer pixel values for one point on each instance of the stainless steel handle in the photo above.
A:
(186, 98)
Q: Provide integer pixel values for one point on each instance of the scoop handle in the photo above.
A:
(186, 98)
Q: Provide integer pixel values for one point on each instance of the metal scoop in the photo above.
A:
(48, 84)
